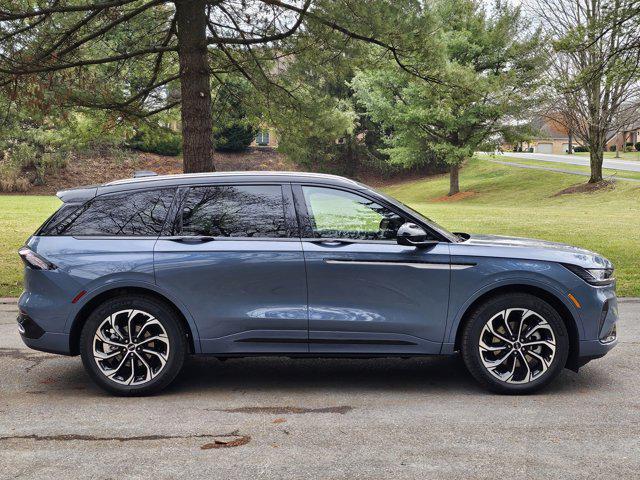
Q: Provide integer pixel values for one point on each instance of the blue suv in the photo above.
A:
(136, 274)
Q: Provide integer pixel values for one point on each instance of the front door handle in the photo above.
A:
(333, 242)
(193, 239)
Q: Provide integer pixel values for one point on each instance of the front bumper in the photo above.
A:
(599, 318)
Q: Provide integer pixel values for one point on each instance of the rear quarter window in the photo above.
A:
(137, 213)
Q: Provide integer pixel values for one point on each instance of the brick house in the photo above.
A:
(630, 134)
(552, 137)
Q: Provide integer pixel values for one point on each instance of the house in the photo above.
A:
(552, 137)
(629, 134)
(266, 137)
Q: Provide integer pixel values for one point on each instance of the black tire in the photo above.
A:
(472, 331)
(177, 344)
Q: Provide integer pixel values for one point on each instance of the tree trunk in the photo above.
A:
(596, 148)
(596, 157)
(195, 89)
(454, 180)
(570, 143)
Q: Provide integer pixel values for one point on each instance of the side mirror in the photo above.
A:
(412, 235)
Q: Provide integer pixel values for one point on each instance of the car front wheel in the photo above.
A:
(515, 343)
(133, 345)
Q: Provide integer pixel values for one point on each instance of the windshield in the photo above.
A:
(452, 237)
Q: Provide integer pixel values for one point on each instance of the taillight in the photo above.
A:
(33, 260)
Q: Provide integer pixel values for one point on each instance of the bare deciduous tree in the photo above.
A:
(593, 67)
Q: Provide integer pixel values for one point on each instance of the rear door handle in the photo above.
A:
(193, 239)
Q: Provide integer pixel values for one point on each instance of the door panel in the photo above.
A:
(233, 255)
(376, 297)
(245, 295)
(367, 294)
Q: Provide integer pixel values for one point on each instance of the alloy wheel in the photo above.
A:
(517, 345)
(131, 347)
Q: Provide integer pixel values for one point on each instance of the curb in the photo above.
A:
(8, 301)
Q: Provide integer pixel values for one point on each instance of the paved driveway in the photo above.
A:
(626, 165)
(329, 419)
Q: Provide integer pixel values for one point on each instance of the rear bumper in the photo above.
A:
(49, 342)
(35, 337)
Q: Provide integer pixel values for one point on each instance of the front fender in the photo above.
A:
(467, 286)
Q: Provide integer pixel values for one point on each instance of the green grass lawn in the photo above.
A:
(505, 200)
(623, 155)
(606, 172)
(20, 216)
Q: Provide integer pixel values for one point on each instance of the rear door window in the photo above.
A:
(132, 213)
(253, 211)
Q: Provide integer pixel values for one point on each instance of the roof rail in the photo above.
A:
(144, 173)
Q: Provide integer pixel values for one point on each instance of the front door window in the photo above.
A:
(340, 214)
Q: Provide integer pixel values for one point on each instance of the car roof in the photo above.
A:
(157, 181)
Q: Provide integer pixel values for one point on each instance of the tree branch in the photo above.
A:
(6, 15)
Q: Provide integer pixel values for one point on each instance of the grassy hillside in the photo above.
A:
(513, 201)
(498, 199)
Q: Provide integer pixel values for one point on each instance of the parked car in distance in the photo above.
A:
(136, 274)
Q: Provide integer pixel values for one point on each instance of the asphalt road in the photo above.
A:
(628, 165)
(329, 419)
(558, 170)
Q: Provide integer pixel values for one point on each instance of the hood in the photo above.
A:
(540, 250)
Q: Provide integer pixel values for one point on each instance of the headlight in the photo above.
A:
(593, 276)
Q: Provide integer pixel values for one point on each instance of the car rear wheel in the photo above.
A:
(133, 345)
(515, 343)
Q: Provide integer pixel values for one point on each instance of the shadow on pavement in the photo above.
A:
(315, 376)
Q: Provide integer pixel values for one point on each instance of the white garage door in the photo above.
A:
(545, 148)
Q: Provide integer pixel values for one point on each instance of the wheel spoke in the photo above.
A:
(549, 344)
(161, 357)
(162, 338)
(148, 323)
(132, 314)
(133, 371)
(108, 341)
(539, 326)
(505, 319)
(107, 356)
(491, 364)
(508, 375)
(115, 328)
(526, 364)
(111, 372)
(146, 365)
(543, 361)
(496, 334)
(491, 348)
(524, 315)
